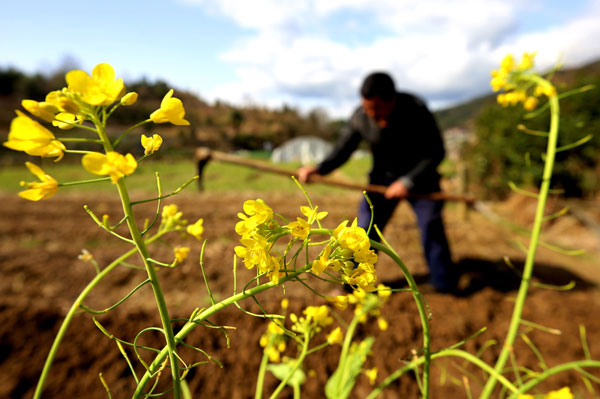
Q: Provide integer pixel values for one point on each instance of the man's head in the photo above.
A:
(378, 97)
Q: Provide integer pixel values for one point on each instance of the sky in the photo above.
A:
(305, 54)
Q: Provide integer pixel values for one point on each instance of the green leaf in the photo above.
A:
(282, 370)
(342, 381)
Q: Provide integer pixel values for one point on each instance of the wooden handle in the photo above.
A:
(204, 154)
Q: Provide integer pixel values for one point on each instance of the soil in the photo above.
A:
(42, 276)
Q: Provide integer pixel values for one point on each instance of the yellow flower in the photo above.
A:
(62, 102)
(196, 229)
(319, 314)
(66, 120)
(526, 396)
(563, 393)
(43, 110)
(181, 253)
(527, 61)
(335, 336)
(113, 164)
(382, 323)
(311, 214)
(151, 144)
(300, 228)
(85, 255)
(372, 375)
(383, 291)
(259, 213)
(169, 211)
(339, 301)
(508, 63)
(530, 103)
(32, 138)
(498, 80)
(44, 189)
(129, 98)
(545, 90)
(171, 110)
(99, 89)
(259, 209)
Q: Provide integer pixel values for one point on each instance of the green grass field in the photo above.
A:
(217, 177)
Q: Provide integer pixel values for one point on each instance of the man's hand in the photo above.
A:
(305, 172)
(396, 190)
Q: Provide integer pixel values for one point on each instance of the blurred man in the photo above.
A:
(407, 148)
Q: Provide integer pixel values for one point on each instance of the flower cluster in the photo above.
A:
(518, 90)
(366, 304)
(86, 98)
(255, 228)
(274, 341)
(172, 220)
(355, 243)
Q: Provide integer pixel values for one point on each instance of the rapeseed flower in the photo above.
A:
(171, 110)
(151, 144)
(563, 393)
(181, 253)
(99, 89)
(336, 336)
(62, 102)
(382, 323)
(112, 164)
(43, 110)
(526, 61)
(129, 98)
(516, 83)
(372, 375)
(312, 215)
(320, 264)
(318, 314)
(66, 120)
(196, 229)
(339, 301)
(255, 252)
(276, 336)
(257, 213)
(44, 189)
(300, 228)
(32, 138)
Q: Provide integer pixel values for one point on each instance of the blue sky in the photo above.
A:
(305, 53)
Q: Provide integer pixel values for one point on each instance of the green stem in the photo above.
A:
(260, 380)
(138, 239)
(552, 371)
(297, 364)
(156, 288)
(69, 316)
(118, 140)
(78, 140)
(535, 236)
(443, 353)
(421, 308)
(346, 344)
(76, 183)
(206, 313)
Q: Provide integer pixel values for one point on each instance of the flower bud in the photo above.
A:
(129, 98)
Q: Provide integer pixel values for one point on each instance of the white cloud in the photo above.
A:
(440, 50)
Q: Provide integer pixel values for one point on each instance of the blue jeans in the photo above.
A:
(433, 235)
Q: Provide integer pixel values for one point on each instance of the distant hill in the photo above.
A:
(464, 114)
(224, 126)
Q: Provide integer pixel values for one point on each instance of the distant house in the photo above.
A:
(303, 149)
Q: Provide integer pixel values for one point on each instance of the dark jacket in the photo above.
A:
(409, 148)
